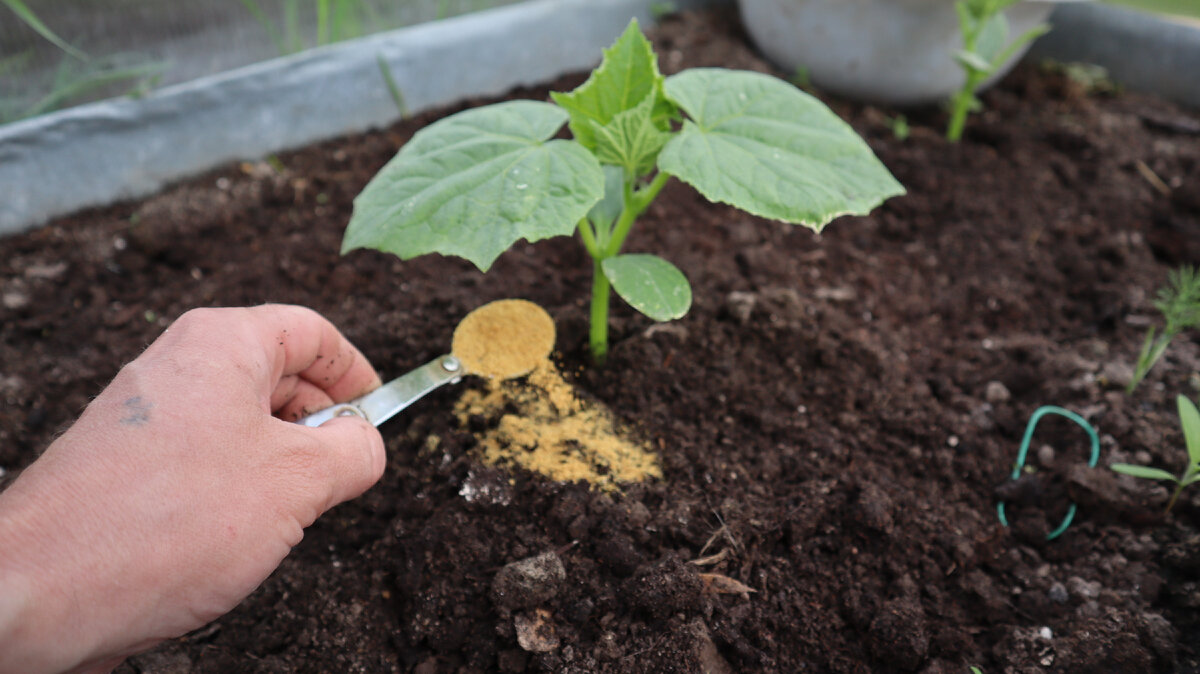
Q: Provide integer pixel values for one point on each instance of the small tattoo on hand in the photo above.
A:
(137, 411)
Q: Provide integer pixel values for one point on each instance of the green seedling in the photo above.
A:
(475, 183)
(1189, 418)
(30, 19)
(985, 48)
(332, 20)
(1179, 302)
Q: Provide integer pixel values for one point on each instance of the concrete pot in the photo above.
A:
(899, 52)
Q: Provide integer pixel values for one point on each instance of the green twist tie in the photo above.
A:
(1016, 473)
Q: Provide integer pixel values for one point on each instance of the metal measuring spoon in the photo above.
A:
(483, 334)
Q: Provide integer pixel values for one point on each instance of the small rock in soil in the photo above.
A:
(1045, 455)
(1058, 593)
(528, 582)
(14, 298)
(739, 306)
(535, 631)
(996, 393)
(608, 647)
(1117, 373)
(666, 588)
(1087, 589)
(898, 635)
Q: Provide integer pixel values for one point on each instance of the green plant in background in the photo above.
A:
(1189, 418)
(984, 31)
(475, 183)
(76, 76)
(1179, 302)
(333, 20)
(900, 128)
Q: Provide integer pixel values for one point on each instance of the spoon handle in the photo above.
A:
(384, 402)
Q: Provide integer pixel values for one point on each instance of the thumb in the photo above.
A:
(355, 450)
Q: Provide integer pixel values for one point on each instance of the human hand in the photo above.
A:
(178, 492)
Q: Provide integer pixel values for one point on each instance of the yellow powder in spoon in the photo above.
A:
(504, 339)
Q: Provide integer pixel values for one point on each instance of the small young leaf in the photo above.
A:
(1143, 471)
(762, 145)
(992, 37)
(649, 284)
(608, 209)
(631, 140)
(475, 183)
(627, 75)
(972, 61)
(1189, 418)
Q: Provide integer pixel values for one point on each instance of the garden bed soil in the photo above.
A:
(833, 415)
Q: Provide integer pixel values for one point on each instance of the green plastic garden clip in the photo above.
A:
(1016, 473)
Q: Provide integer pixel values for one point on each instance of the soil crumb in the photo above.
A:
(539, 424)
(504, 339)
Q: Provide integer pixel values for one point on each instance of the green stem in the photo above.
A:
(601, 247)
(962, 106)
(598, 335)
(635, 204)
(1174, 497)
(589, 238)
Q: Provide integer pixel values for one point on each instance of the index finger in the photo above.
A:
(303, 343)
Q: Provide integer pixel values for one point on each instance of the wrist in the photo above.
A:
(30, 640)
(39, 626)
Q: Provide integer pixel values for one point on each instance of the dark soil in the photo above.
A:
(833, 416)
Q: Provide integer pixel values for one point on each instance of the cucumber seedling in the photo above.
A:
(1179, 302)
(1189, 418)
(476, 182)
(986, 47)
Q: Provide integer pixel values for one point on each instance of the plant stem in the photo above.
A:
(962, 106)
(635, 204)
(1174, 497)
(598, 335)
(601, 246)
(589, 238)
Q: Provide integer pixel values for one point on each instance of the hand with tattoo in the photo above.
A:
(180, 488)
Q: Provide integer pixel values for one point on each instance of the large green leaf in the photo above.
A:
(1143, 471)
(1189, 418)
(627, 75)
(758, 143)
(649, 284)
(474, 183)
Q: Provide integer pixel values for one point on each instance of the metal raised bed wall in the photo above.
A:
(104, 152)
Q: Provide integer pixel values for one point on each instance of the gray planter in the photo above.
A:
(898, 52)
(121, 149)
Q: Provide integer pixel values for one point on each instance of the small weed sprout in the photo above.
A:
(476, 182)
(1179, 302)
(1189, 418)
(984, 31)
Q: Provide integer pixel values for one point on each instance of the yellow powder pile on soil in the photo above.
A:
(504, 339)
(538, 423)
